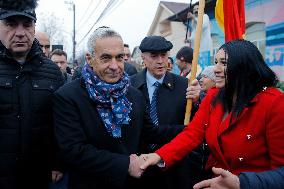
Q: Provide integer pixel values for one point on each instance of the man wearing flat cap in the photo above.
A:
(167, 93)
(27, 81)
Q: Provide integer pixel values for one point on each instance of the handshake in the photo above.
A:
(138, 164)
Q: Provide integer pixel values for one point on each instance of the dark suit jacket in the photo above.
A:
(129, 69)
(273, 179)
(171, 98)
(93, 157)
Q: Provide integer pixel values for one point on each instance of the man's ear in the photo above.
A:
(143, 56)
(89, 58)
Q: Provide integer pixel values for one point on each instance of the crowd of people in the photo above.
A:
(109, 125)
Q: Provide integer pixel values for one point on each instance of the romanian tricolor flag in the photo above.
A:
(230, 15)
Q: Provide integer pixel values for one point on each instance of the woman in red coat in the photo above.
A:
(241, 119)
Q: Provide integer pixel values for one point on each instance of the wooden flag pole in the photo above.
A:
(195, 56)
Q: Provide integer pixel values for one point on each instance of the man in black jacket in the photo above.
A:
(27, 81)
(170, 105)
(59, 57)
(128, 67)
(100, 118)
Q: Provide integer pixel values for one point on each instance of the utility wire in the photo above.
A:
(82, 24)
(88, 7)
(104, 11)
(107, 10)
(114, 7)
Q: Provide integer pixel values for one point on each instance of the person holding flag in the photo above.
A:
(165, 94)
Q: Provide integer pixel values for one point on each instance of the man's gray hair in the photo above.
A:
(99, 33)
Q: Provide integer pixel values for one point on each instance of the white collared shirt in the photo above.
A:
(150, 80)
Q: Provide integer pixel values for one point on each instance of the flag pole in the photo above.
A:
(195, 56)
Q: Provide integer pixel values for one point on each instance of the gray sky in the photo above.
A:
(131, 18)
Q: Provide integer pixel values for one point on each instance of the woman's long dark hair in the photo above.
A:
(246, 75)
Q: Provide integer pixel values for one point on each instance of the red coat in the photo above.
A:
(252, 142)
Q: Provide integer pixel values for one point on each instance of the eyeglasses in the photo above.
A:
(45, 46)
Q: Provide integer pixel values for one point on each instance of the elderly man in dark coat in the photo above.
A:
(170, 106)
(100, 118)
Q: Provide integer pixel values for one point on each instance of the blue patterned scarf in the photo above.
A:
(113, 106)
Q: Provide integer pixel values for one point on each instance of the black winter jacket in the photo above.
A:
(26, 118)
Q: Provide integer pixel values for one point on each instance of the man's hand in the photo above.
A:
(56, 176)
(224, 180)
(193, 91)
(134, 166)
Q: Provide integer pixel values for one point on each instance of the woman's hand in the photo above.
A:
(150, 159)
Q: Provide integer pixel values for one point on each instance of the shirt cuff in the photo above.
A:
(161, 164)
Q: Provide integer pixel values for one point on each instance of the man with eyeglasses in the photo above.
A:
(44, 42)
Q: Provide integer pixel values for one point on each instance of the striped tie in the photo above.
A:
(153, 110)
(153, 105)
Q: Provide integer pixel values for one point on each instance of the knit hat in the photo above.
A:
(25, 8)
(209, 72)
(185, 54)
